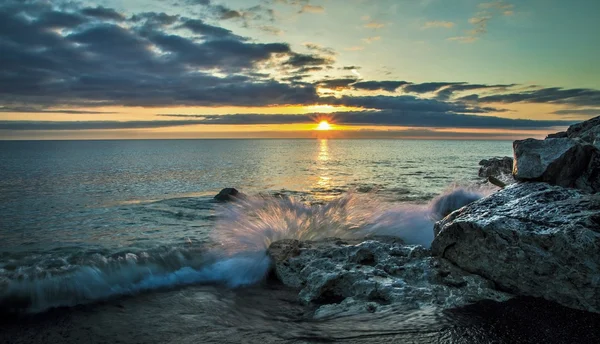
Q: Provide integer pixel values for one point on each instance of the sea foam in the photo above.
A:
(242, 234)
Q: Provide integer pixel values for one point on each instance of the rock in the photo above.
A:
(559, 135)
(495, 167)
(228, 194)
(531, 239)
(561, 161)
(348, 277)
(587, 132)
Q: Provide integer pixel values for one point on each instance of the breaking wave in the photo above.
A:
(243, 231)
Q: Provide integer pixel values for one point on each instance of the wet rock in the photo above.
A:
(531, 239)
(348, 277)
(560, 161)
(496, 167)
(228, 194)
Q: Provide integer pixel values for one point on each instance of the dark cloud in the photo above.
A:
(576, 112)
(408, 104)
(554, 95)
(304, 60)
(92, 125)
(350, 67)
(102, 63)
(103, 13)
(226, 13)
(336, 83)
(320, 49)
(60, 20)
(389, 86)
(409, 118)
(427, 87)
(40, 110)
(199, 27)
(154, 18)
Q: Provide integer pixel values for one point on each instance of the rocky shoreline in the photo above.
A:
(539, 236)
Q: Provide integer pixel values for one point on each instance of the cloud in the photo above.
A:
(355, 48)
(372, 39)
(463, 39)
(578, 112)
(551, 95)
(303, 60)
(144, 61)
(271, 30)
(197, 26)
(311, 9)
(427, 87)
(481, 20)
(103, 13)
(374, 25)
(389, 86)
(320, 49)
(408, 117)
(25, 109)
(438, 24)
(336, 83)
(92, 125)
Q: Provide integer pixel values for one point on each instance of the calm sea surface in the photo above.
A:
(121, 235)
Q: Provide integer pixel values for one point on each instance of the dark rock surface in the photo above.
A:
(569, 159)
(587, 132)
(495, 167)
(561, 161)
(531, 239)
(346, 277)
(228, 194)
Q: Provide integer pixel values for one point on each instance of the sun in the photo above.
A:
(324, 125)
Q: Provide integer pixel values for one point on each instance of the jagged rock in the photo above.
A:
(560, 161)
(228, 194)
(495, 167)
(532, 239)
(587, 131)
(559, 135)
(499, 168)
(348, 277)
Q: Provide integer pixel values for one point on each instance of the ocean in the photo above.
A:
(121, 241)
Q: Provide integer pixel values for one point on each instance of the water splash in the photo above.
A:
(254, 223)
(243, 233)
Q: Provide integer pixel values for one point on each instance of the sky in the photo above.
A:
(158, 69)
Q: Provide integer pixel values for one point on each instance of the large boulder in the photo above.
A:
(587, 132)
(351, 276)
(531, 239)
(559, 161)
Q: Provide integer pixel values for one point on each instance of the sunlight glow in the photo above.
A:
(324, 125)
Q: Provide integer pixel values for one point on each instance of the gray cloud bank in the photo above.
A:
(63, 57)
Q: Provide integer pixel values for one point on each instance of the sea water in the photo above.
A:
(83, 222)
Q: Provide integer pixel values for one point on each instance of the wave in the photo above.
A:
(243, 232)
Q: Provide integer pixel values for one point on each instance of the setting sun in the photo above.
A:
(324, 125)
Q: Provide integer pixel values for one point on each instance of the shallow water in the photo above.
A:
(127, 236)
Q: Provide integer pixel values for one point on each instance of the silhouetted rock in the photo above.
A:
(531, 239)
(228, 194)
(559, 135)
(561, 161)
(356, 277)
